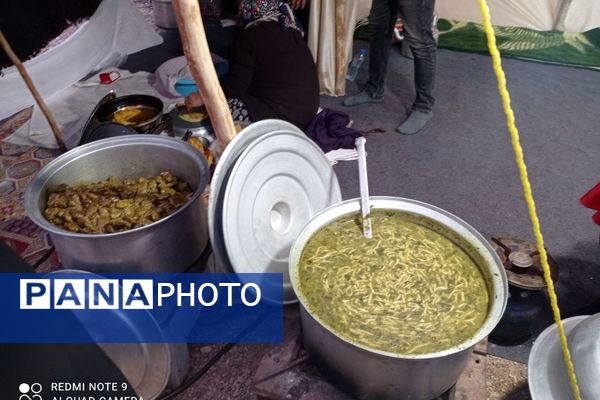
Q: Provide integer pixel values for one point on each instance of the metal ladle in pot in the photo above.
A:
(364, 187)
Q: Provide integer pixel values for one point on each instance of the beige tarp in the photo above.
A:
(580, 16)
(534, 14)
(333, 51)
(541, 15)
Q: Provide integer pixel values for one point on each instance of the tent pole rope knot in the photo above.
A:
(514, 134)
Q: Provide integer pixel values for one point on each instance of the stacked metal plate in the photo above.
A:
(269, 182)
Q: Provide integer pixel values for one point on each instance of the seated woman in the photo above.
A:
(272, 73)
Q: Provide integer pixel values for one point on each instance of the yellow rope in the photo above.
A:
(514, 134)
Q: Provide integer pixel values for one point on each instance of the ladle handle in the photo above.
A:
(364, 187)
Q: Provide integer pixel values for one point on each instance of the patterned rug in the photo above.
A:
(18, 166)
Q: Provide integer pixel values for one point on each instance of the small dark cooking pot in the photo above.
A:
(109, 104)
(106, 110)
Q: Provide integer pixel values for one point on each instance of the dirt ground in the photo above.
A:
(506, 380)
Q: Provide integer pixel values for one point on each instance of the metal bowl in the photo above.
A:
(547, 373)
(584, 343)
(169, 245)
(374, 374)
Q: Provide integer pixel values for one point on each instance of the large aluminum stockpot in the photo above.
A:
(171, 244)
(373, 374)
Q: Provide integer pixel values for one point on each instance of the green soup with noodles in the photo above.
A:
(409, 290)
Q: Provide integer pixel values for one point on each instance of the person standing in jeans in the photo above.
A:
(417, 16)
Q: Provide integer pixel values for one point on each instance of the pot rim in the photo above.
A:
(36, 187)
(497, 276)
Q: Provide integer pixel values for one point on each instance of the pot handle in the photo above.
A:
(88, 124)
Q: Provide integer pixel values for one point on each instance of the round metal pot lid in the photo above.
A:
(275, 188)
(221, 174)
(546, 370)
(147, 366)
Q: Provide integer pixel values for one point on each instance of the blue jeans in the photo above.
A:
(417, 16)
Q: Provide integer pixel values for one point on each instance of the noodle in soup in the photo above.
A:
(409, 290)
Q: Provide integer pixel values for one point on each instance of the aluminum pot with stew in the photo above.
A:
(170, 244)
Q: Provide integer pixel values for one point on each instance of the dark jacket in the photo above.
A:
(272, 71)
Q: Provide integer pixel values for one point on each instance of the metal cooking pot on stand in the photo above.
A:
(374, 374)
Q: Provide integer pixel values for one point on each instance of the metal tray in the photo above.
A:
(546, 370)
(221, 175)
(146, 366)
(275, 188)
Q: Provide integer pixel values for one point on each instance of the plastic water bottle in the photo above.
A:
(355, 65)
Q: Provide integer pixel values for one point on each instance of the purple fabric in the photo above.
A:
(329, 130)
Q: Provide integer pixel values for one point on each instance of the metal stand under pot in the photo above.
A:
(527, 304)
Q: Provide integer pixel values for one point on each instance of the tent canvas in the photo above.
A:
(333, 51)
(541, 15)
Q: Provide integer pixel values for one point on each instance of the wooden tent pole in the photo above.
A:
(195, 47)
(34, 92)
